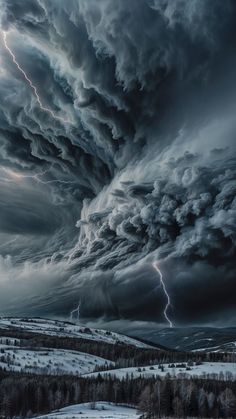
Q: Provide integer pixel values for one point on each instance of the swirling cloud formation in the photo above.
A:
(117, 149)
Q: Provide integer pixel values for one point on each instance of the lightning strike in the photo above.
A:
(29, 81)
(17, 176)
(168, 304)
(14, 176)
(9, 242)
(76, 312)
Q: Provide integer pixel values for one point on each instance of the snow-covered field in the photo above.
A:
(48, 361)
(14, 357)
(66, 329)
(204, 370)
(101, 410)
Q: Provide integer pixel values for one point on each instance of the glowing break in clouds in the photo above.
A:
(155, 266)
(48, 110)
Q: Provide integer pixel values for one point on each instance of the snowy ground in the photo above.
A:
(102, 410)
(66, 329)
(49, 361)
(207, 368)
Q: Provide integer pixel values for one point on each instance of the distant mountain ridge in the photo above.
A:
(192, 338)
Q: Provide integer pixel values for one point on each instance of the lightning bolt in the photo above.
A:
(18, 176)
(34, 89)
(76, 310)
(9, 242)
(168, 304)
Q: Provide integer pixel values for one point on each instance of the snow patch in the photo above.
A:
(98, 410)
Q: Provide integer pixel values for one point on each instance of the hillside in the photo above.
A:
(49, 361)
(43, 346)
(66, 329)
(54, 366)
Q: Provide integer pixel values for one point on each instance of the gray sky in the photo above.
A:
(117, 150)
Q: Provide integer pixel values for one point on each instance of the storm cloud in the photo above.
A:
(125, 157)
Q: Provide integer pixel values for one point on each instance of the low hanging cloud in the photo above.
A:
(129, 159)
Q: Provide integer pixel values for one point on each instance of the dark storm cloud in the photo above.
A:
(29, 212)
(212, 291)
(143, 169)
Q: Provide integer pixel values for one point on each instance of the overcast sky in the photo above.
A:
(117, 150)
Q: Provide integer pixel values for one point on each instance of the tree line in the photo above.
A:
(24, 395)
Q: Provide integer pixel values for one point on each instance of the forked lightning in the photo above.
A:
(29, 81)
(156, 267)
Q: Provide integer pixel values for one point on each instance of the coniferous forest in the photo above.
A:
(26, 395)
(23, 393)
